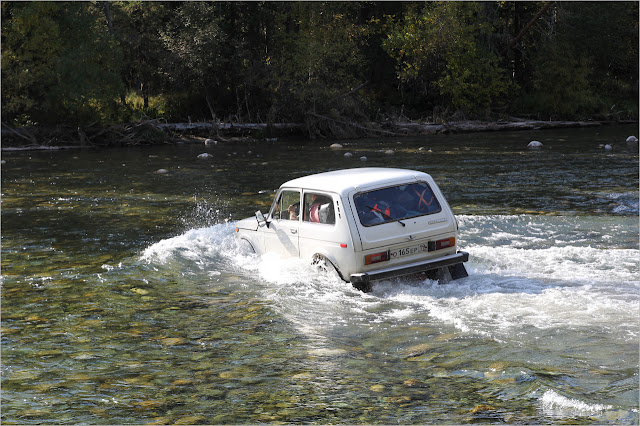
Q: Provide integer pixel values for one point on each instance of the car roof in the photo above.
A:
(347, 180)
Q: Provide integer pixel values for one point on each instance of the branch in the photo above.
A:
(28, 137)
(530, 24)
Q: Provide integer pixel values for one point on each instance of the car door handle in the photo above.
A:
(294, 231)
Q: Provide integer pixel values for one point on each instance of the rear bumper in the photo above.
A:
(408, 269)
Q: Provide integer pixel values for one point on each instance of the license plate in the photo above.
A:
(408, 251)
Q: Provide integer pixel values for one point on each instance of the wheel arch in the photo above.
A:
(322, 254)
(252, 246)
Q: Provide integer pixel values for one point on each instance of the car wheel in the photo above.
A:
(325, 266)
(322, 264)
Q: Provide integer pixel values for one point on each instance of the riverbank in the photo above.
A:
(155, 132)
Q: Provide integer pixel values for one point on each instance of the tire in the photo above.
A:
(324, 265)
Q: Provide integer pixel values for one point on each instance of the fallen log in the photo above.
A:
(149, 132)
(228, 126)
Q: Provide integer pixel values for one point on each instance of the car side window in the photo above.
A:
(318, 208)
(288, 206)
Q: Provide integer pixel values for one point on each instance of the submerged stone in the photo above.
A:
(482, 408)
(190, 420)
(173, 341)
(377, 388)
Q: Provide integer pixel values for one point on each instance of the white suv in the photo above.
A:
(368, 223)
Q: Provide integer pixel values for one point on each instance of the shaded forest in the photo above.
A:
(317, 63)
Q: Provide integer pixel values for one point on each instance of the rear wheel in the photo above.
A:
(364, 287)
(324, 265)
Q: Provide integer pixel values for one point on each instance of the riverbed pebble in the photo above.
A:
(162, 171)
(190, 420)
(377, 388)
(389, 152)
(632, 139)
(608, 147)
(173, 341)
(210, 142)
(535, 144)
(348, 155)
(205, 155)
(363, 158)
(335, 146)
(481, 408)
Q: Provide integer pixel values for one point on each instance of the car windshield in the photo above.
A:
(396, 203)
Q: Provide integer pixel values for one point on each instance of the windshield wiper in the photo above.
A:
(385, 215)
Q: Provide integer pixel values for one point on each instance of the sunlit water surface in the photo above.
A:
(125, 298)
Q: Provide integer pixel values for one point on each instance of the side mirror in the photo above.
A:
(261, 220)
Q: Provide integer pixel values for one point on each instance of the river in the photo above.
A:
(126, 300)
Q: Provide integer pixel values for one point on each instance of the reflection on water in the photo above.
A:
(125, 298)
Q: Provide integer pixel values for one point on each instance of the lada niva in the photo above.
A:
(368, 224)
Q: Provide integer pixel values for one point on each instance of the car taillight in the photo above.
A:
(375, 258)
(442, 244)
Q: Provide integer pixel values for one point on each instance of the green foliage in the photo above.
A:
(440, 52)
(329, 62)
(317, 58)
(58, 63)
(561, 86)
(474, 82)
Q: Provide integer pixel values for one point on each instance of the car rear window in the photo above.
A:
(396, 203)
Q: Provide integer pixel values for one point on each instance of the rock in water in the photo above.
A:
(348, 155)
(632, 139)
(535, 144)
(205, 155)
(335, 146)
(210, 142)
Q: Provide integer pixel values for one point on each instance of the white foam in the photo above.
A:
(193, 244)
(512, 291)
(557, 405)
(568, 263)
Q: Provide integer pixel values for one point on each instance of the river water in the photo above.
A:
(125, 298)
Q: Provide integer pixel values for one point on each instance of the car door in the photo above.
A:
(282, 234)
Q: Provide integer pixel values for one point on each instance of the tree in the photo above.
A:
(589, 63)
(58, 63)
(444, 51)
(316, 62)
